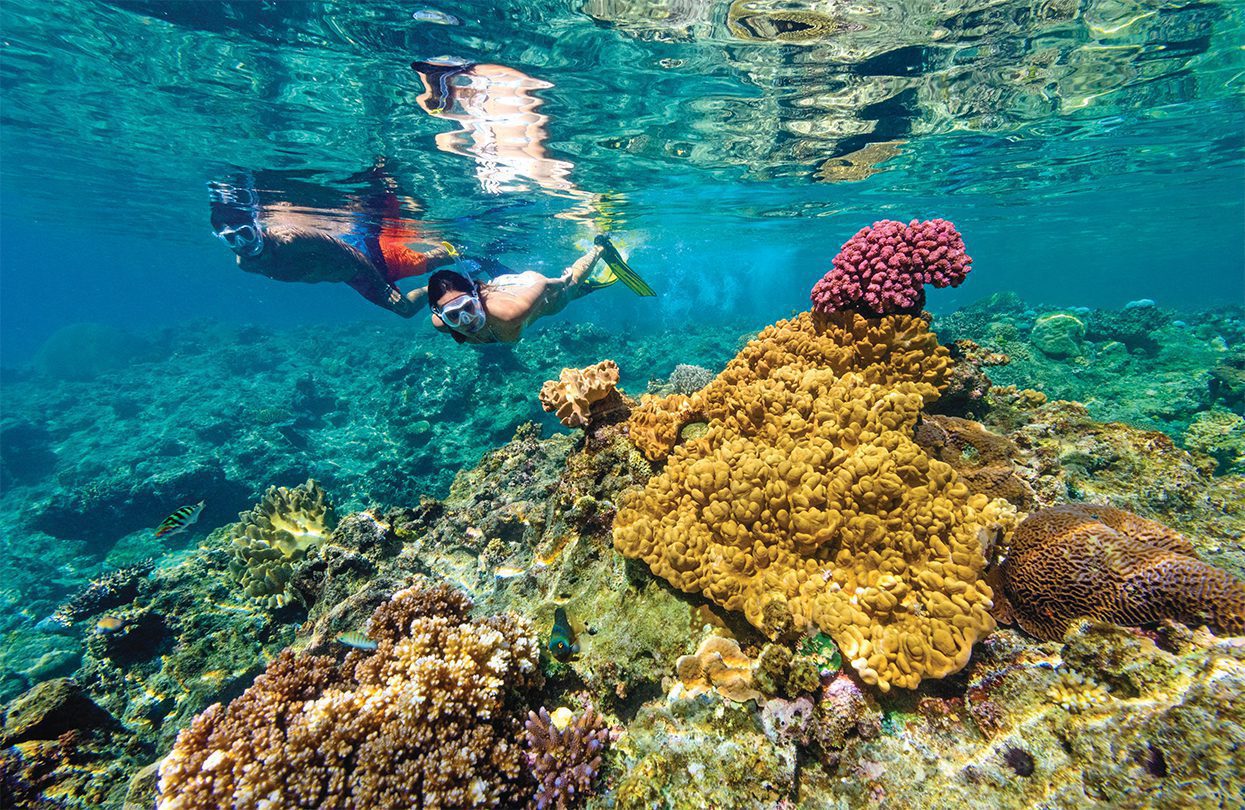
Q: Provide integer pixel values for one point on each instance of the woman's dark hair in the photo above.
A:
(443, 281)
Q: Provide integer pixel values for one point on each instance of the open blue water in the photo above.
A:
(1090, 153)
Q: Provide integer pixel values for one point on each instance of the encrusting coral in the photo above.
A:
(807, 494)
(565, 760)
(1078, 560)
(718, 665)
(429, 718)
(278, 532)
(1075, 693)
(573, 394)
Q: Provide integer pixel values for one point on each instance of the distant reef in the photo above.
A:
(764, 568)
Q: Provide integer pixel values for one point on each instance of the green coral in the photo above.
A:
(823, 652)
(1221, 435)
(271, 538)
(1058, 334)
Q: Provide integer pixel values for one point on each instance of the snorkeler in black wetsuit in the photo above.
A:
(371, 257)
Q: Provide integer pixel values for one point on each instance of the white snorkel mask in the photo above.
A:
(244, 240)
(465, 313)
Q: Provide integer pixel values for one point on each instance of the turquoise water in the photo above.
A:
(1092, 154)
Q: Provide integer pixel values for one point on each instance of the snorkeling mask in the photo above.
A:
(464, 314)
(244, 240)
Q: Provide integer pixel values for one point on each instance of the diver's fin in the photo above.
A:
(603, 276)
(620, 269)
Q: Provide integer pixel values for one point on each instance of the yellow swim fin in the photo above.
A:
(620, 270)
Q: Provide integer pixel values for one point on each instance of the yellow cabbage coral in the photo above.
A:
(885, 350)
(572, 395)
(274, 535)
(808, 495)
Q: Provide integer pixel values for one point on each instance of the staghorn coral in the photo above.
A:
(573, 394)
(427, 718)
(807, 496)
(718, 665)
(272, 537)
(892, 349)
(564, 759)
(1078, 560)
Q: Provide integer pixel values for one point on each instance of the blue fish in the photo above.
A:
(562, 644)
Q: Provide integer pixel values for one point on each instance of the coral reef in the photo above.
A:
(1058, 335)
(808, 493)
(685, 379)
(1221, 435)
(427, 717)
(576, 392)
(718, 665)
(1078, 560)
(884, 268)
(566, 760)
(110, 590)
(277, 533)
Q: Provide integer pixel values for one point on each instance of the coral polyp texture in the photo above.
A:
(566, 760)
(884, 268)
(429, 719)
(886, 350)
(278, 532)
(718, 665)
(573, 394)
(807, 497)
(1081, 560)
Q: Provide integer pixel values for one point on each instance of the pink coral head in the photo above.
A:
(884, 268)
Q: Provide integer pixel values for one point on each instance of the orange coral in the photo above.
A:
(881, 349)
(717, 665)
(572, 395)
(426, 719)
(807, 496)
(1080, 560)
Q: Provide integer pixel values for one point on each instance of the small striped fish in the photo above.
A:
(180, 521)
(356, 640)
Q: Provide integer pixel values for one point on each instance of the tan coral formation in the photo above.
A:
(424, 720)
(884, 350)
(572, 395)
(1078, 560)
(718, 665)
(275, 534)
(807, 493)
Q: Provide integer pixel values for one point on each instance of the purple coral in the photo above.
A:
(565, 761)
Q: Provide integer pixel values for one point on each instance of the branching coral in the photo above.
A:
(573, 394)
(1080, 560)
(884, 268)
(808, 494)
(277, 533)
(565, 760)
(429, 718)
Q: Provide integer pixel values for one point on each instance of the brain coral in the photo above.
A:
(428, 719)
(572, 395)
(270, 538)
(807, 493)
(884, 268)
(1080, 560)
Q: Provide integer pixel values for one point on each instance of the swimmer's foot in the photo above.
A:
(618, 268)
